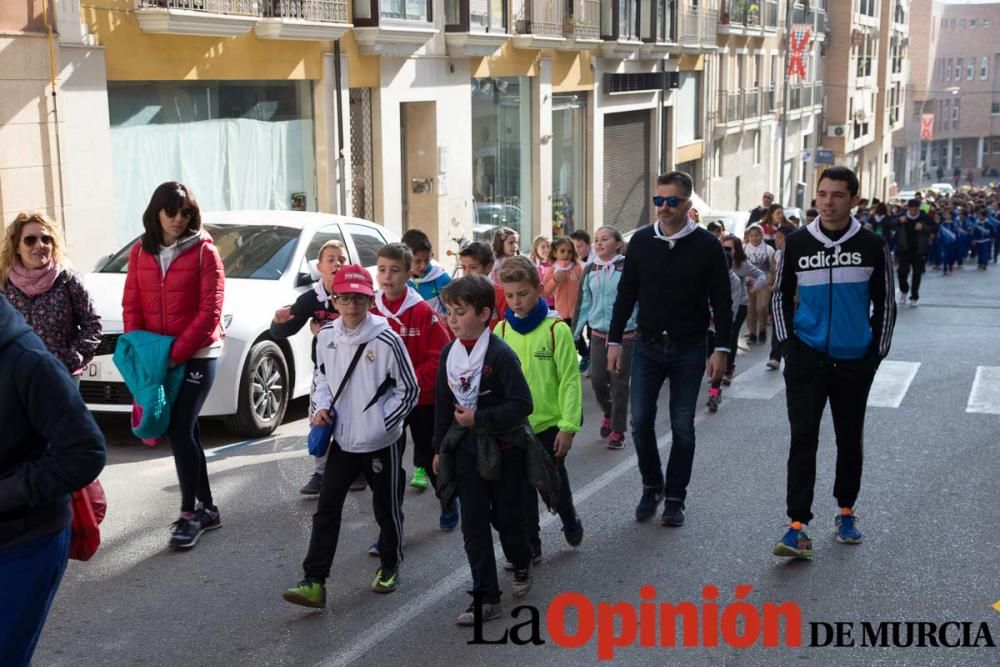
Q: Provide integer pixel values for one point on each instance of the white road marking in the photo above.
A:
(460, 576)
(985, 395)
(891, 383)
(757, 383)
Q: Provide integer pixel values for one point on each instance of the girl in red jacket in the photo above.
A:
(174, 287)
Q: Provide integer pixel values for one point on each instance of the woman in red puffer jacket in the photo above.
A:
(174, 287)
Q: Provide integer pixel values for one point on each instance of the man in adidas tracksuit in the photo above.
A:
(833, 341)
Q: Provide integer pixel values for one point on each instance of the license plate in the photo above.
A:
(92, 371)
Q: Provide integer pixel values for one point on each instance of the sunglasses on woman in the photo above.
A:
(31, 240)
(672, 202)
(172, 212)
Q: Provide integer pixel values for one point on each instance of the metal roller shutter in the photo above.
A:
(626, 170)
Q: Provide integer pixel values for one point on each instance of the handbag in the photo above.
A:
(321, 435)
(89, 506)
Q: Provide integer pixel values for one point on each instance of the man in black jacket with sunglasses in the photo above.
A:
(674, 270)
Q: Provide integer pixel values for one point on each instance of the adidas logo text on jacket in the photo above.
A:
(846, 294)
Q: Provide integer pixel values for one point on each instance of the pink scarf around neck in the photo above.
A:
(33, 281)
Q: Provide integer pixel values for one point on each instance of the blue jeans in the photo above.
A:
(30, 573)
(683, 365)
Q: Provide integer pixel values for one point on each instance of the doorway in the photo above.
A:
(419, 167)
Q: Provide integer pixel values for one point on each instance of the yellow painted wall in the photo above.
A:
(690, 152)
(691, 63)
(362, 71)
(509, 62)
(572, 72)
(181, 57)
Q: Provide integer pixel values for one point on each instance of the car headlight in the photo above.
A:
(227, 320)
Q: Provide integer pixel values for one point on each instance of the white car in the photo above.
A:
(269, 258)
(943, 188)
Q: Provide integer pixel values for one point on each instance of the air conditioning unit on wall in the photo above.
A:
(837, 131)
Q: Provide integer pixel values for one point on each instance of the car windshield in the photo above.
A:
(258, 252)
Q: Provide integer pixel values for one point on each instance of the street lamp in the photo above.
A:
(952, 90)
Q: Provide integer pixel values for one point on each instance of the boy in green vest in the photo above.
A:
(544, 344)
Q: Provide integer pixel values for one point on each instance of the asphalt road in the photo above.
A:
(928, 506)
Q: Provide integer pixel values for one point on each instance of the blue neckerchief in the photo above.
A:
(528, 323)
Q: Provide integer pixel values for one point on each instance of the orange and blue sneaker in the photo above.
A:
(847, 527)
(796, 542)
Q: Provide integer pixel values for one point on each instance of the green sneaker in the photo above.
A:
(419, 480)
(385, 580)
(307, 593)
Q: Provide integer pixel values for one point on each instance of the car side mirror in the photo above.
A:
(303, 280)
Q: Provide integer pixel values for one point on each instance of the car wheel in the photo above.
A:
(263, 392)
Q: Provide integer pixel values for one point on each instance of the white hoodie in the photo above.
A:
(381, 391)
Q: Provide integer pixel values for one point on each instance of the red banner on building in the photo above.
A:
(927, 127)
(798, 42)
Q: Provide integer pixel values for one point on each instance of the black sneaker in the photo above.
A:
(673, 513)
(184, 533)
(208, 517)
(762, 337)
(646, 508)
(574, 533)
(313, 486)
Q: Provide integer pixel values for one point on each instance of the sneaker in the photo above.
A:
(574, 533)
(489, 611)
(184, 532)
(359, 484)
(913, 303)
(752, 339)
(616, 440)
(208, 517)
(536, 559)
(308, 593)
(796, 543)
(419, 480)
(847, 529)
(522, 583)
(714, 398)
(386, 580)
(449, 520)
(902, 298)
(606, 426)
(585, 365)
(373, 550)
(650, 500)
(773, 364)
(673, 514)
(313, 486)
(727, 377)
(762, 337)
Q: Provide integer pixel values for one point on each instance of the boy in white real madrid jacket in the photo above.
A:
(363, 389)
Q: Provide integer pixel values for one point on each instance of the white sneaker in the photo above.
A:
(913, 303)
(902, 298)
(773, 364)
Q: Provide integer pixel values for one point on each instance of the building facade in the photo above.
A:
(460, 116)
(55, 151)
(954, 80)
(765, 124)
(868, 49)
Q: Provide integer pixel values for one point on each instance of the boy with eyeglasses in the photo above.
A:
(363, 388)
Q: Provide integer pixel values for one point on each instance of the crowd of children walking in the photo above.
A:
(486, 373)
